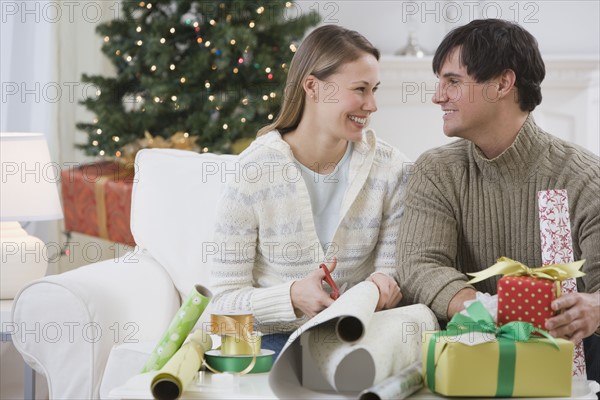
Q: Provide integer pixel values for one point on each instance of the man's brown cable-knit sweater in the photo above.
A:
(463, 211)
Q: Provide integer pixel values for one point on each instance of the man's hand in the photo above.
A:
(308, 296)
(389, 291)
(579, 316)
(457, 304)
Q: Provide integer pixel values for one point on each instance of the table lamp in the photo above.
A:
(28, 193)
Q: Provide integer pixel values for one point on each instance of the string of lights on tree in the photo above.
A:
(213, 71)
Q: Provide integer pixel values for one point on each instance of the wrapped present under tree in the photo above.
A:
(97, 200)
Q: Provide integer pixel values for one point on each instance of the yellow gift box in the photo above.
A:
(468, 361)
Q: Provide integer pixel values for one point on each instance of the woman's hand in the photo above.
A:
(389, 291)
(308, 296)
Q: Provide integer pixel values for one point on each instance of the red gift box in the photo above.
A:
(527, 299)
(97, 200)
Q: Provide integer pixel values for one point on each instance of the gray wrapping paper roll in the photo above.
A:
(396, 387)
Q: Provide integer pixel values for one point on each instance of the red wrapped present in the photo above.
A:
(527, 299)
(525, 294)
(97, 200)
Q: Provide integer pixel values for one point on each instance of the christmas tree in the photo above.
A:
(211, 72)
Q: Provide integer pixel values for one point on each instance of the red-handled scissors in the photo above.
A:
(335, 291)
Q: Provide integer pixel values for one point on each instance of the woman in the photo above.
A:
(316, 187)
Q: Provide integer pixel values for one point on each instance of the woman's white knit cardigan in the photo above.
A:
(266, 235)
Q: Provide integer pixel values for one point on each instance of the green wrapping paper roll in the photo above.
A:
(185, 319)
(182, 368)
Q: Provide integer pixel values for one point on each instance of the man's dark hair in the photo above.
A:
(490, 46)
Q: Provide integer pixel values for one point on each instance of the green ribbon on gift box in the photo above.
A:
(480, 320)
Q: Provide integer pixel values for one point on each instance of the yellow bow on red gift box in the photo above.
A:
(508, 267)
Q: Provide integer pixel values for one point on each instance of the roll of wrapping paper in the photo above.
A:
(239, 344)
(185, 319)
(398, 386)
(181, 369)
(557, 247)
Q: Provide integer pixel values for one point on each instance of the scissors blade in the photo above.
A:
(343, 288)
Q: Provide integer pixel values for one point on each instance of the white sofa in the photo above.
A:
(67, 325)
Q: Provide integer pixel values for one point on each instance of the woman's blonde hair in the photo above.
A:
(321, 54)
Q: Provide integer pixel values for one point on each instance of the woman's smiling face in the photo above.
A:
(346, 99)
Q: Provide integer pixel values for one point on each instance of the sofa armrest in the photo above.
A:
(65, 325)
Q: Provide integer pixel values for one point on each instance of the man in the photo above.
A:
(475, 200)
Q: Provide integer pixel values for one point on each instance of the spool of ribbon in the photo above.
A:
(240, 346)
(237, 325)
(217, 362)
(233, 346)
(181, 325)
(508, 267)
(480, 320)
(181, 369)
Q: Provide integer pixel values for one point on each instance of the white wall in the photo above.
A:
(561, 27)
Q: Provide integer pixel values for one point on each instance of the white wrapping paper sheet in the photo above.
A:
(351, 346)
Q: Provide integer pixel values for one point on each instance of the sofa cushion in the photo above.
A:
(174, 198)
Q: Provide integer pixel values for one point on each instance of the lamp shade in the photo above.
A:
(29, 179)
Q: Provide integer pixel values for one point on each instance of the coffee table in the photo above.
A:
(256, 386)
